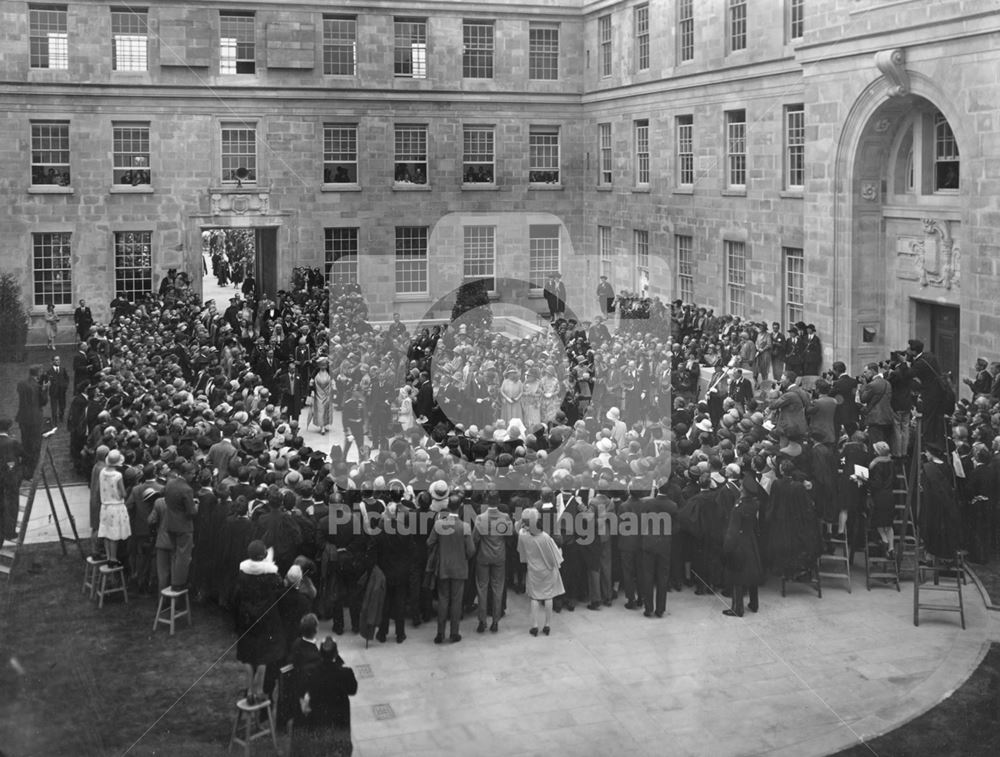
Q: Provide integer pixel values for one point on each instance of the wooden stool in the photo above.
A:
(114, 575)
(168, 618)
(90, 569)
(248, 714)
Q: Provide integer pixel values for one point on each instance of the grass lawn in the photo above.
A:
(95, 680)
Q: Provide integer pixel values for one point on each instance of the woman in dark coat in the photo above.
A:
(740, 551)
(852, 496)
(881, 482)
(258, 622)
(794, 540)
(394, 549)
(324, 727)
(940, 521)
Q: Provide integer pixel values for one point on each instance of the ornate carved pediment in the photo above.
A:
(237, 203)
(932, 259)
(891, 64)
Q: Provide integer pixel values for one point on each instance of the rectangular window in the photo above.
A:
(48, 41)
(946, 162)
(796, 19)
(340, 45)
(50, 153)
(543, 253)
(477, 155)
(129, 34)
(685, 30)
(642, 37)
(133, 264)
(52, 280)
(543, 52)
(411, 155)
(685, 267)
(795, 147)
(410, 60)
(340, 154)
(341, 255)
(736, 278)
(640, 245)
(130, 159)
(795, 271)
(736, 149)
(685, 151)
(411, 260)
(604, 174)
(604, 250)
(239, 151)
(237, 43)
(477, 55)
(642, 153)
(604, 39)
(479, 254)
(543, 155)
(737, 21)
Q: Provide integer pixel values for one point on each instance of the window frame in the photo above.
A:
(640, 252)
(480, 241)
(942, 141)
(248, 64)
(638, 154)
(254, 173)
(64, 146)
(605, 155)
(41, 35)
(122, 247)
(736, 26)
(142, 171)
(604, 45)
(793, 310)
(736, 160)
(539, 251)
(605, 251)
(412, 25)
(685, 31)
(795, 147)
(684, 125)
(411, 254)
(348, 249)
(684, 251)
(130, 17)
(61, 281)
(640, 15)
(334, 45)
(468, 164)
(479, 50)
(734, 249)
(412, 129)
(796, 13)
(331, 161)
(540, 146)
(541, 57)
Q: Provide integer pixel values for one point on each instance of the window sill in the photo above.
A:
(49, 189)
(483, 187)
(604, 187)
(792, 194)
(545, 187)
(683, 190)
(128, 189)
(536, 294)
(641, 190)
(346, 187)
(397, 187)
(734, 193)
(414, 297)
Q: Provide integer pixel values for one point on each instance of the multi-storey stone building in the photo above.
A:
(834, 161)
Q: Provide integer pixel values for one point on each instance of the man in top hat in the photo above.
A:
(795, 349)
(812, 350)
(606, 296)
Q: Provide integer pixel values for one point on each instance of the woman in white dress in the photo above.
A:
(510, 394)
(531, 399)
(404, 399)
(322, 386)
(114, 524)
(551, 397)
(539, 551)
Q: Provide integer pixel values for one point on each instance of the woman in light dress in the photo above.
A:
(551, 396)
(114, 524)
(531, 399)
(322, 386)
(51, 325)
(510, 394)
(404, 398)
(543, 584)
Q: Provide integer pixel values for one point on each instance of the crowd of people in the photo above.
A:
(579, 466)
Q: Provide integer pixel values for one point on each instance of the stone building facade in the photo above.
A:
(832, 161)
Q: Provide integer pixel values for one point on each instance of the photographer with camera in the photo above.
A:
(901, 380)
(937, 396)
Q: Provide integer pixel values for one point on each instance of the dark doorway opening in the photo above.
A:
(938, 327)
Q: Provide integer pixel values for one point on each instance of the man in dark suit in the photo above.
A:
(83, 319)
(740, 388)
(290, 394)
(812, 353)
(58, 380)
(656, 516)
(983, 381)
(606, 296)
(843, 391)
(549, 293)
(423, 406)
(81, 367)
(11, 473)
(223, 452)
(30, 400)
(267, 369)
(926, 368)
(354, 422)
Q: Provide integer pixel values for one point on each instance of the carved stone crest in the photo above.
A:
(869, 191)
(891, 64)
(240, 204)
(933, 260)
